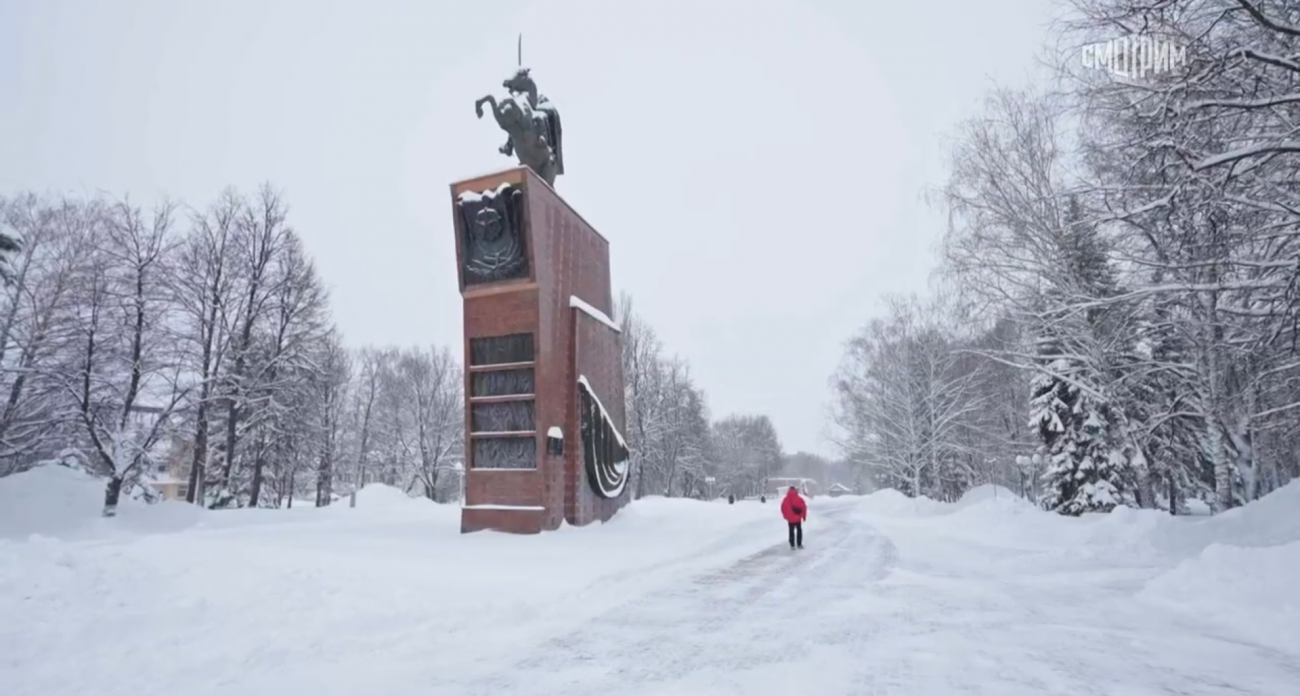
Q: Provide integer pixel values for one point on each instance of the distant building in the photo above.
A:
(170, 476)
(838, 489)
(777, 486)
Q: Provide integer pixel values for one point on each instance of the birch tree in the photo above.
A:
(906, 401)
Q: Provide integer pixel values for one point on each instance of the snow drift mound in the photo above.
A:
(673, 517)
(378, 502)
(1243, 567)
(891, 501)
(992, 498)
(1130, 528)
(49, 500)
(1269, 521)
(379, 495)
(1252, 590)
(989, 501)
(56, 501)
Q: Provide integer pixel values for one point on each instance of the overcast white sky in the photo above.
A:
(756, 165)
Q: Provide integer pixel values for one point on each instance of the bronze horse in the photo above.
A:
(532, 124)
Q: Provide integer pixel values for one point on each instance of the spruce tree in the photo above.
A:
(1084, 444)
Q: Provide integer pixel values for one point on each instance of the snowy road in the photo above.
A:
(842, 617)
(751, 627)
(890, 598)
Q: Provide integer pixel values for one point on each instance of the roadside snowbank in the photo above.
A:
(889, 502)
(1271, 521)
(1238, 569)
(1241, 568)
(1250, 589)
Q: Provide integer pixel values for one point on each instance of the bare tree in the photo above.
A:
(285, 359)
(667, 414)
(906, 402)
(330, 392)
(641, 355)
(126, 378)
(261, 233)
(746, 452)
(202, 278)
(34, 333)
(423, 416)
(365, 395)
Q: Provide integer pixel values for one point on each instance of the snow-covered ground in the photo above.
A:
(891, 597)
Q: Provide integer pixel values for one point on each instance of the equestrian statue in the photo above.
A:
(531, 123)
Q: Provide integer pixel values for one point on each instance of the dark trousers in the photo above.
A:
(796, 534)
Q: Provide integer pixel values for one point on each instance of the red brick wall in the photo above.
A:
(514, 521)
(573, 260)
(598, 358)
(547, 233)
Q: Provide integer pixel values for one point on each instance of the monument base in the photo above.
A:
(514, 521)
(544, 410)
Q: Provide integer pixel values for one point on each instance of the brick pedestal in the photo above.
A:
(543, 380)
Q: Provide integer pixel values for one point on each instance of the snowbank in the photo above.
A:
(49, 500)
(991, 504)
(66, 504)
(983, 508)
(988, 499)
(1271, 520)
(1250, 589)
(993, 496)
(890, 501)
(56, 501)
(378, 496)
(1238, 569)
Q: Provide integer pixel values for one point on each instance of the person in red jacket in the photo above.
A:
(795, 511)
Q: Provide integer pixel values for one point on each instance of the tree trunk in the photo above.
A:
(232, 425)
(1244, 442)
(292, 474)
(112, 493)
(1213, 408)
(324, 481)
(193, 494)
(255, 489)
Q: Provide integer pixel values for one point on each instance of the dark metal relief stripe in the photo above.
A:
(505, 453)
(502, 383)
(501, 350)
(604, 454)
(502, 417)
